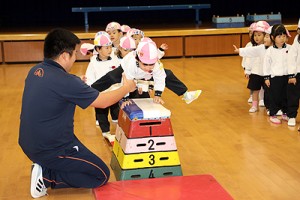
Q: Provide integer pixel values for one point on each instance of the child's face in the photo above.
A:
(124, 52)
(137, 38)
(146, 67)
(267, 40)
(280, 40)
(104, 52)
(258, 37)
(115, 36)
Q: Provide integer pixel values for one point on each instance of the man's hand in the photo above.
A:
(130, 84)
(267, 82)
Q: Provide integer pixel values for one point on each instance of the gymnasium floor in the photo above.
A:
(250, 157)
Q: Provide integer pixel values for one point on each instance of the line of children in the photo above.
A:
(116, 32)
(275, 68)
(100, 64)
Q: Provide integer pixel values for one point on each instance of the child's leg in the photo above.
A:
(254, 101)
(174, 84)
(261, 97)
(112, 77)
(102, 117)
(114, 112)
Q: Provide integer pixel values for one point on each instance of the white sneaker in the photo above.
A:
(37, 186)
(279, 113)
(261, 103)
(97, 123)
(114, 121)
(253, 109)
(109, 137)
(292, 122)
(250, 99)
(189, 97)
(275, 120)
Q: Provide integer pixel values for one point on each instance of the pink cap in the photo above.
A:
(85, 47)
(125, 28)
(261, 26)
(251, 27)
(269, 30)
(147, 52)
(102, 39)
(113, 26)
(288, 33)
(135, 31)
(127, 42)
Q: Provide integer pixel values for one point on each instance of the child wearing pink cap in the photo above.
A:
(115, 33)
(293, 88)
(100, 64)
(254, 71)
(125, 28)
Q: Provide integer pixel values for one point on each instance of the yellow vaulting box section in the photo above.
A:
(144, 160)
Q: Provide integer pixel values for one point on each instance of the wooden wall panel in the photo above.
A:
(245, 39)
(30, 51)
(211, 45)
(175, 45)
(291, 39)
(1, 55)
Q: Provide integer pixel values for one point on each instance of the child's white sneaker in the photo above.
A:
(279, 113)
(261, 103)
(292, 122)
(250, 99)
(189, 97)
(37, 186)
(253, 109)
(109, 137)
(114, 121)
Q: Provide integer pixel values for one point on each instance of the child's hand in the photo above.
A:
(247, 76)
(236, 50)
(267, 82)
(140, 90)
(158, 99)
(292, 81)
(126, 103)
(83, 78)
(164, 46)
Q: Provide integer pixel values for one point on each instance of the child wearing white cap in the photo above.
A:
(275, 70)
(102, 63)
(293, 88)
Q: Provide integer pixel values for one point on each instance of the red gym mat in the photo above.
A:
(204, 187)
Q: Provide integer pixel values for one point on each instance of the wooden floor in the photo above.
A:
(250, 157)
